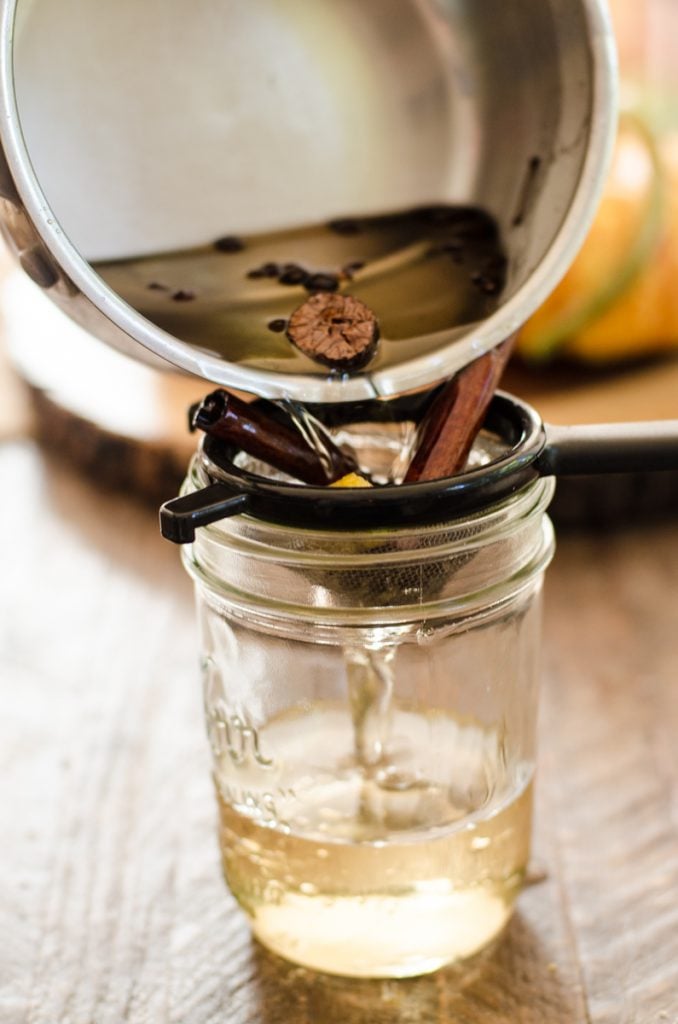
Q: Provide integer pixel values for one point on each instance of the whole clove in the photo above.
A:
(321, 283)
(293, 275)
(229, 243)
(265, 432)
(451, 423)
(265, 270)
(338, 331)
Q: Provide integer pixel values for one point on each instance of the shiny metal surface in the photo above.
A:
(129, 130)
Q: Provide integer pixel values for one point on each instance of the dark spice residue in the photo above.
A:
(488, 285)
(527, 192)
(345, 226)
(183, 295)
(351, 268)
(491, 277)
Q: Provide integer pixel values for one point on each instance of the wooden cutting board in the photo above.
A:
(578, 395)
(120, 422)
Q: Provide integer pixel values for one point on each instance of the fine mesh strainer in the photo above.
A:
(360, 552)
(527, 449)
(518, 450)
(234, 489)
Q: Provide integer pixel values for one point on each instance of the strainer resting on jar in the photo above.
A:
(365, 537)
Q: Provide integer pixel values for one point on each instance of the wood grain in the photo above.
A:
(112, 908)
(613, 674)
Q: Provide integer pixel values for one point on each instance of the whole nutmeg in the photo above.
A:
(338, 331)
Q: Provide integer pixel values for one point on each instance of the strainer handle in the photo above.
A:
(181, 517)
(609, 448)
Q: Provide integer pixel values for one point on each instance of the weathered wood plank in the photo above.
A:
(111, 902)
(610, 728)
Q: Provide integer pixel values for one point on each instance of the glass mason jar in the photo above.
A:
(371, 703)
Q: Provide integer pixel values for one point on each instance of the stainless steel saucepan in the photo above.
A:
(133, 128)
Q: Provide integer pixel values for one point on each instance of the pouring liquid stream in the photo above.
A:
(369, 673)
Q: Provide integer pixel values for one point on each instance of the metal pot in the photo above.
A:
(132, 128)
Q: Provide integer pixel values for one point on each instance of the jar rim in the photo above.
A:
(279, 575)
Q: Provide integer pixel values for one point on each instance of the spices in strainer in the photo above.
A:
(454, 418)
(265, 432)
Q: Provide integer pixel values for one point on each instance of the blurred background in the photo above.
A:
(603, 348)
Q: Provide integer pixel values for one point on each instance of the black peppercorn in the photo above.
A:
(293, 275)
(277, 326)
(322, 283)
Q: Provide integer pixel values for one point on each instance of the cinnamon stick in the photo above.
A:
(273, 439)
(452, 422)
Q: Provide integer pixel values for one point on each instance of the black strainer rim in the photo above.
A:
(233, 490)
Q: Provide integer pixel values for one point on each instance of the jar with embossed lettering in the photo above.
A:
(370, 696)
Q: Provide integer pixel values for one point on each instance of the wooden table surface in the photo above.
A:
(112, 908)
